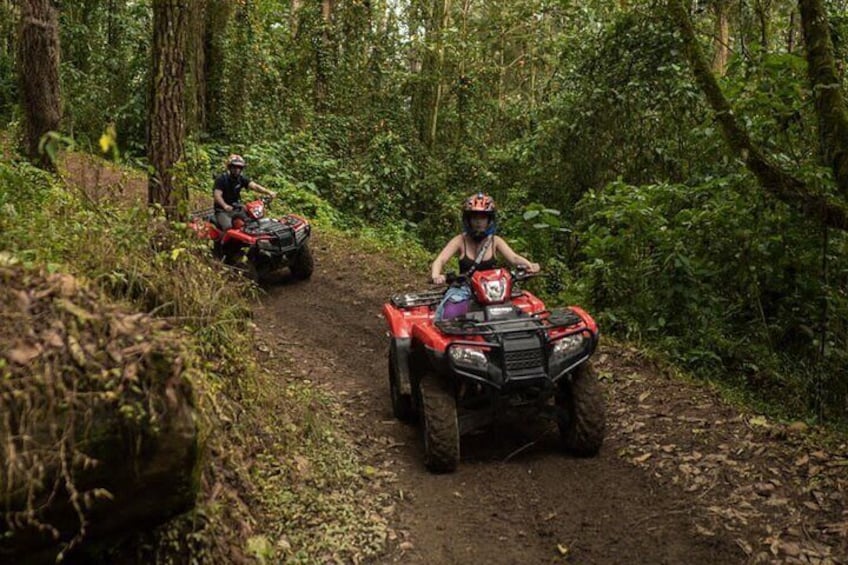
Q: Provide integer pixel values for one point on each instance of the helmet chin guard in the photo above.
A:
(478, 235)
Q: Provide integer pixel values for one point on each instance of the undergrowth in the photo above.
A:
(280, 482)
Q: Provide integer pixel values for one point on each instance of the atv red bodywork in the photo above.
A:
(508, 352)
(258, 244)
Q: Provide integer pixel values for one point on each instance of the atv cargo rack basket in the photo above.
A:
(545, 320)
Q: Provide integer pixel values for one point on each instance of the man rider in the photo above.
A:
(227, 190)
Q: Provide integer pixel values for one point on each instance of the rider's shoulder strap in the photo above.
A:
(481, 252)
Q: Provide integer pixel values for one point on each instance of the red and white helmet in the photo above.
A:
(476, 204)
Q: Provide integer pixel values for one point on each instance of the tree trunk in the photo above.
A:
(433, 122)
(167, 109)
(790, 36)
(196, 68)
(323, 52)
(218, 14)
(763, 9)
(827, 90)
(721, 41)
(295, 8)
(38, 73)
(428, 95)
(772, 178)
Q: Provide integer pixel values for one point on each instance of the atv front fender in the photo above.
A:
(399, 325)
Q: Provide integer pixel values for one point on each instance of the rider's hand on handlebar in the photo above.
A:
(271, 194)
(438, 279)
(228, 208)
(532, 268)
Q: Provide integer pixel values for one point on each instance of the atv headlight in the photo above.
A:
(265, 245)
(469, 357)
(495, 289)
(568, 345)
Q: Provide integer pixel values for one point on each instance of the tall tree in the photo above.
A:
(218, 14)
(196, 86)
(166, 136)
(827, 91)
(38, 72)
(721, 38)
(323, 51)
(427, 98)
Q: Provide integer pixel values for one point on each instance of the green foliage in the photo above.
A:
(727, 281)
(104, 70)
(9, 96)
(173, 277)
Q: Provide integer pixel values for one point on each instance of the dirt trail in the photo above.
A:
(516, 498)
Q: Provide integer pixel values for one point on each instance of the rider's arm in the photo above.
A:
(218, 195)
(514, 258)
(450, 249)
(253, 185)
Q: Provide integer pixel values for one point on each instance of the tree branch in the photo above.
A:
(771, 177)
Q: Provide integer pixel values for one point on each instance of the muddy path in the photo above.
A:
(681, 477)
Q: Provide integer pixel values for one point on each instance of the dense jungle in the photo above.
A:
(678, 169)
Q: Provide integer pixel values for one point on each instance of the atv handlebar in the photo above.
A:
(519, 273)
(239, 206)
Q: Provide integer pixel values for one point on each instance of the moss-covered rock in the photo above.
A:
(98, 430)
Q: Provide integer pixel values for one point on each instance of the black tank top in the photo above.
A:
(466, 262)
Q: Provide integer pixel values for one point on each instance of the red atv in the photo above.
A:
(507, 356)
(256, 244)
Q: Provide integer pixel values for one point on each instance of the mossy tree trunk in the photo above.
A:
(827, 91)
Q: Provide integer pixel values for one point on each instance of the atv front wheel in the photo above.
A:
(302, 264)
(401, 403)
(583, 426)
(440, 426)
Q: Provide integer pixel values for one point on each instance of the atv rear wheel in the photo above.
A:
(440, 426)
(583, 426)
(401, 403)
(302, 264)
(218, 250)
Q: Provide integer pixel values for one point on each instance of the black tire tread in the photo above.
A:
(440, 427)
(302, 264)
(401, 403)
(583, 431)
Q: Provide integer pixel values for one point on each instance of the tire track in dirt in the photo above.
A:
(515, 497)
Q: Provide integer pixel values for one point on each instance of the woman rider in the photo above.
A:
(478, 236)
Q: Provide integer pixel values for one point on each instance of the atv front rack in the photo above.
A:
(413, 299)
(560, 318)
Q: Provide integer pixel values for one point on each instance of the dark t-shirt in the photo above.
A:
(230, 187)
